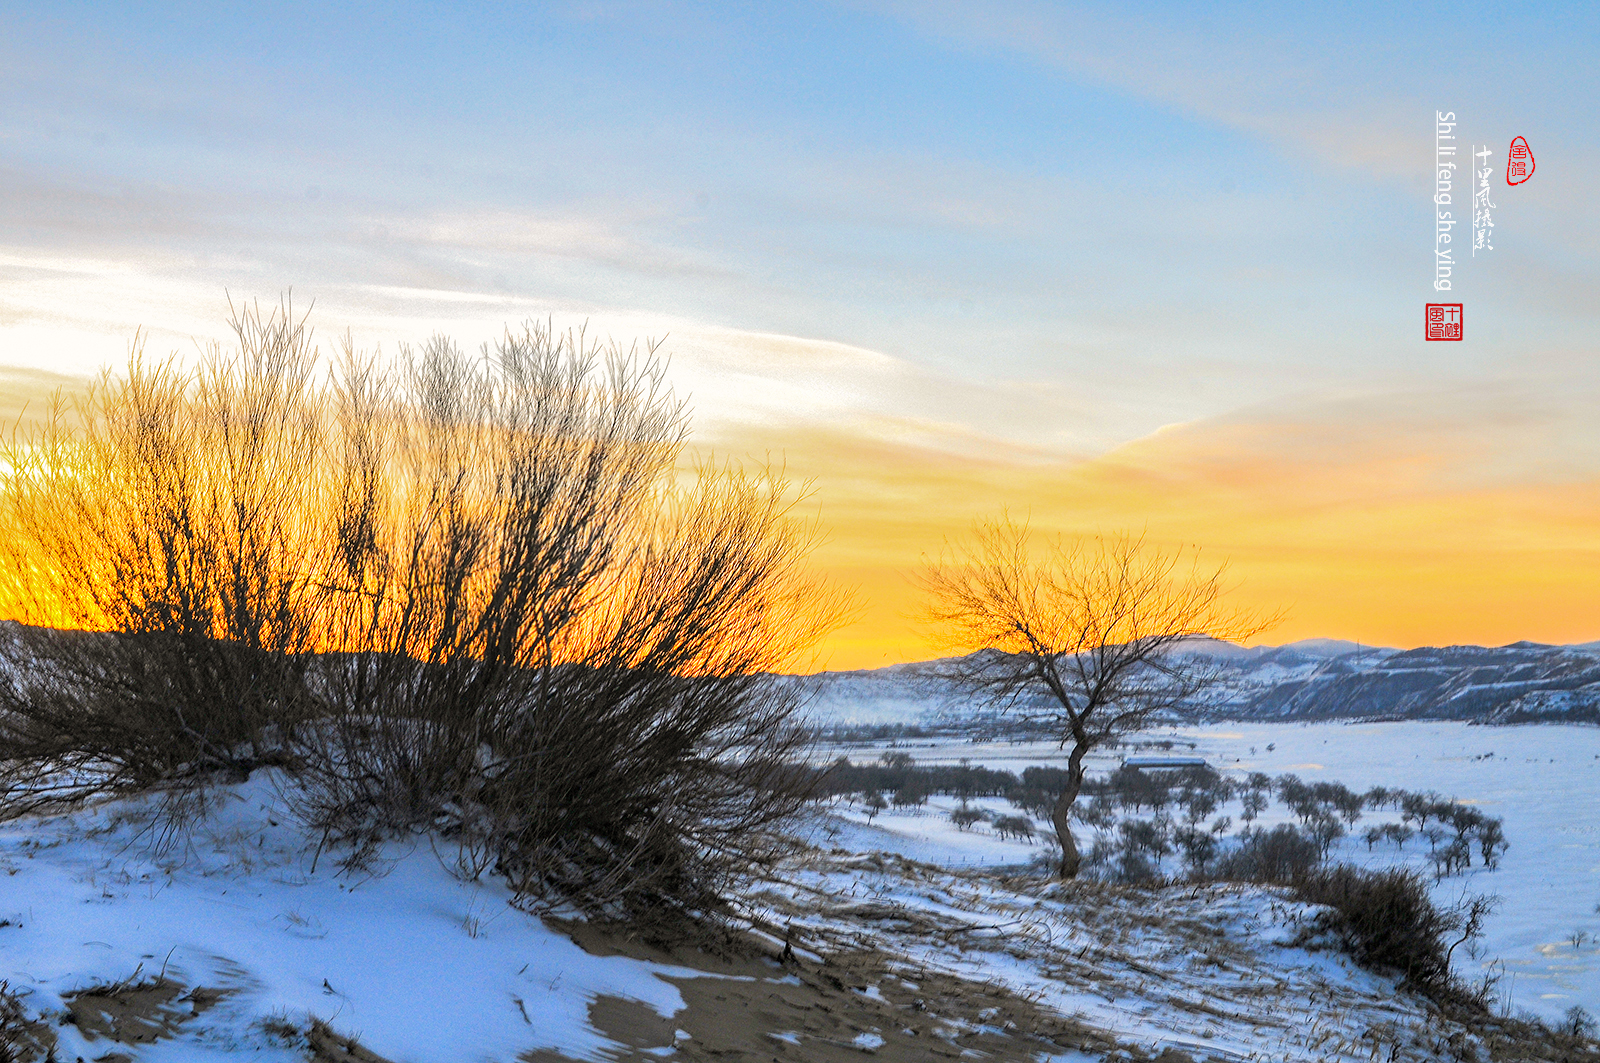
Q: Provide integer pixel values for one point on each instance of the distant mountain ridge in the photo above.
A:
(1520, 683)
(1315, 679)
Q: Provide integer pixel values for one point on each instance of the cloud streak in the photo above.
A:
(1351, 88)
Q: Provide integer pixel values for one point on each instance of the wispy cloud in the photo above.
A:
(1353, 88)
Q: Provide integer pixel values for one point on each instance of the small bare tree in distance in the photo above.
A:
(1085, 636)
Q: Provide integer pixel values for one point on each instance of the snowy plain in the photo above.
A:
(1543, 780)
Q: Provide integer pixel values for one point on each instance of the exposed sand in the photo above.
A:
(754, 1006)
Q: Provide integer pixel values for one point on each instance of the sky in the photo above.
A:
(1158, 267)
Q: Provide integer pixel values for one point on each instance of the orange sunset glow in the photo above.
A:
(1383, 521)
(1402, 545)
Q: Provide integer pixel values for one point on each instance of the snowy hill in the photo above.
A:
(1315, 679)
(1523, 682)
(901, 693)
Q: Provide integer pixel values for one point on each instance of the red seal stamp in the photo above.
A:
(1519, 162)
(1444, 321)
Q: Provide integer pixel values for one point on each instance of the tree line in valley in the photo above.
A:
(1141, 816)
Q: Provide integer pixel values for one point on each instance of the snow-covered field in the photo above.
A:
(419, 967)
(929, 949)
(1544, 781)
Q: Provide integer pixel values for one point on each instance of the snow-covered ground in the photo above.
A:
(1544, 781)
(414, 962)
(422, 967)
(1217, 973)
(419, 967)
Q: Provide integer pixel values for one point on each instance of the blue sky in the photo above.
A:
(1032, 234)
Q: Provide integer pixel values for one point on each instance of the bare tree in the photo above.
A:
(1085, 636)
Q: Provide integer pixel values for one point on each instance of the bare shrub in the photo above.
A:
(1019, 827)
(168, 512)
(964, 782)
(565, 650)
(1035, 802)
(1388, 920)
(1451, 858)
(1255, 803)
(1492, 843)
(912, 793)
(1198, 805)
(1199, 847)
(483, 599)
(1133, 868)
(1325, 828)
(964, 818)
(1577, 1025)
(1398, 833)
(1143, 841)
(1100, 855)
(1280, 855)
(1100, 813)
